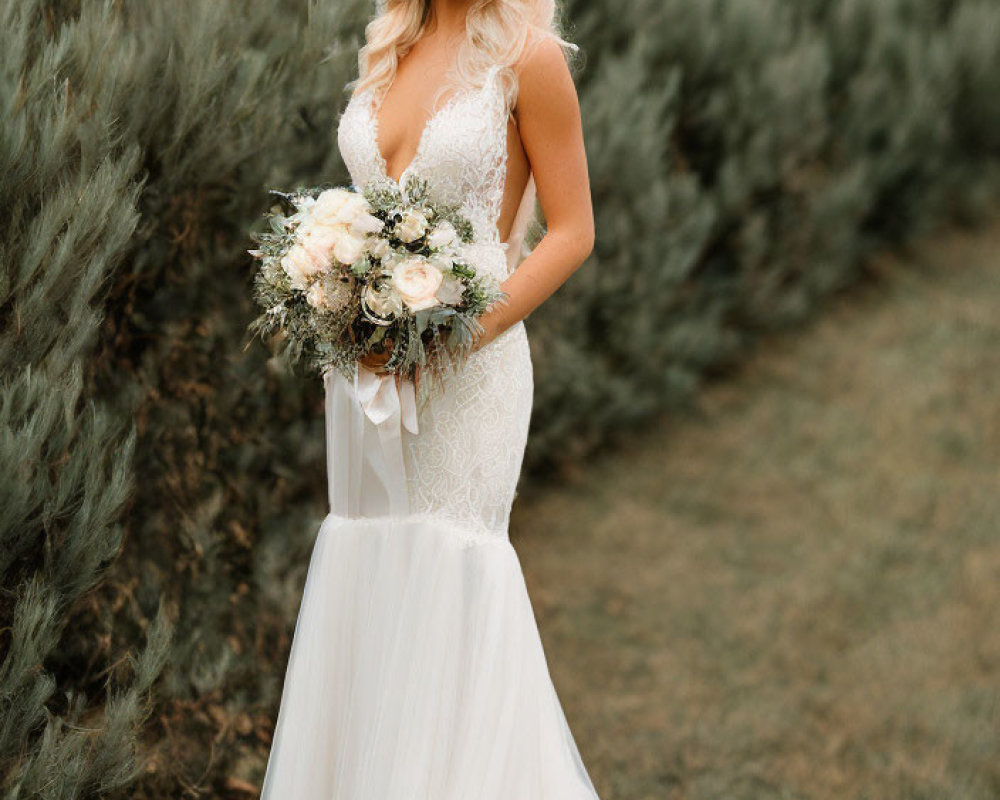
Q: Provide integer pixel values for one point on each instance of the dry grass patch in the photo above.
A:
(796, 592)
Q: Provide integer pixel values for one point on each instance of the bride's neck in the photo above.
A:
(448, 16)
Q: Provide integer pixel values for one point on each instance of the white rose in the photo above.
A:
(319, 242)
(443, 235)
(451, 291)
(384, 302)
(442, 262)
(338, 206)
(411, 227)
(308, 225)
(299, 265)
(364, 223)
(348, 248)
(389, 262)
(417, 282)
(378, 248)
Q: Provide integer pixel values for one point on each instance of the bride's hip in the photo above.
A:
(507, 351)
(501, 369)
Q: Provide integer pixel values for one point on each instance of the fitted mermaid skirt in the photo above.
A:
(416, 670)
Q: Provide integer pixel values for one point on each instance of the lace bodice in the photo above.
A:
(463, 464)
(462, 151)
(416, 670)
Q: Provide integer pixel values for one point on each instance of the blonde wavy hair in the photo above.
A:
(497, 32)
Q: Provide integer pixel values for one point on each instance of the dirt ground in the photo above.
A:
(794, 590)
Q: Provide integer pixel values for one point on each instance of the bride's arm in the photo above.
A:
(548, 114)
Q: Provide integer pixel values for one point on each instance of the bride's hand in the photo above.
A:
(376, 359)
(485, 336)
(375, 362)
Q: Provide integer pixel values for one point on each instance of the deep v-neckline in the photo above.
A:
(373, 121)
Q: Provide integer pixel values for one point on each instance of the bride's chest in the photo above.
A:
(461, 150)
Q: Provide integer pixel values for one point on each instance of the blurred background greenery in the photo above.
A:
(784, 588)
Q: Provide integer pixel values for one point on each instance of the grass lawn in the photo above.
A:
(793, 591)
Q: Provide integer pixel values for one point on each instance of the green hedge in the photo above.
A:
(745, 157)
(163, 480)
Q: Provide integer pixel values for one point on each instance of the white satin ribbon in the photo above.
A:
(365, 419)
(382, 398)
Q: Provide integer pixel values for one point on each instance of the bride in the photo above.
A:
(416, 670)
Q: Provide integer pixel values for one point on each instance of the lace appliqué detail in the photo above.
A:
(464, 463)
(461, 152)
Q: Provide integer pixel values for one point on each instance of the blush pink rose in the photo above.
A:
(417, 282)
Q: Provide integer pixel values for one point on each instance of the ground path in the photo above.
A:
(795, 591)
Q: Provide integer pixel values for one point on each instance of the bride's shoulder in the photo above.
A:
(542, 56)
(543, 74)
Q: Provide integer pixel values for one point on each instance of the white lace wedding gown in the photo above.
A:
(416, 670)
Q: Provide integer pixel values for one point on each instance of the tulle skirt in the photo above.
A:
(417, 673)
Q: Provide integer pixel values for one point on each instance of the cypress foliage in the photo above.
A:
(745, 156)
(69, 191)
(138, 142)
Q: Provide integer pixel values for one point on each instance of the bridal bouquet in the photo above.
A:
(349, 274)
